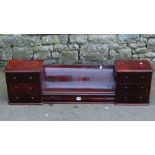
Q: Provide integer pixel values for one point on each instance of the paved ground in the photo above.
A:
(74, 112)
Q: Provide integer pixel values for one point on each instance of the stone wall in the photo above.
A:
(75, 49)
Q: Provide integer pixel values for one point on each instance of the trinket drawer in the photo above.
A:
(32, 82)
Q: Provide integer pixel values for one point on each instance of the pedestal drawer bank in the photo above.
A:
(124, 82)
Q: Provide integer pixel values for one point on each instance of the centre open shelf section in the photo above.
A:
(79, 79)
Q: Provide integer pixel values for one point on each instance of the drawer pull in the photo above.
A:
(126, 77)
(16, 87)
(125, 98)
(141, 97)
(30, 77)
(142, 77)
(141, 87)
(14, 77)
(17, 97)
(32, 98)
(126, 87)
(31, 88)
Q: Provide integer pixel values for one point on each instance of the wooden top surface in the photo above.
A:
(24, 66)
(132, 66)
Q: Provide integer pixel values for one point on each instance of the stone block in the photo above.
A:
(128, 37)
(55, 55)
(140, 50)
(51, 61)
(143, 40)
(92, 57)
(50, 39)
(134, 56)
(78, 38)
(60, 47)
(5, 53)
(101, 38)
(140, 56)
(124, 53)
(137, 45)
(22, 53)
(47, 48)
(1, 42)
(42, 55)
(73, 47)
(148, 35)
(63, 38)
(151, 45)
(149, 55)
(68, 57)
(113, 54)
(115, 46)
(20, 40)
(90, 48)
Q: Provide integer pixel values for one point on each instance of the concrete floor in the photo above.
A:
(76, 112)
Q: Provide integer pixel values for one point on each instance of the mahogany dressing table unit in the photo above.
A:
(32, 82)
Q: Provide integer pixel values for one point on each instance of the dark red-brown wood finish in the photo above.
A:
(24, 66)
(132, 66)
(133, 81)
(31, 82)
(24, 82)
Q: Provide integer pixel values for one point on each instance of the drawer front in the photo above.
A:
(14, 89)
(31, 88)
(24, 99)
(22, 77)
(31, 99)
(24, 88)
(132, 99)
(133, 88)
(15, 98)
(134, 77)
(69, 98)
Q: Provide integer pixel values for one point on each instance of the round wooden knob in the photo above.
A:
(125, 97)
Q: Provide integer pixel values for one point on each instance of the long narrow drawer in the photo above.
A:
(133, 77)
(13, 99)
(133, 88)
(72, 98)
(24, 88)
(126, 98)
(22, 77)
